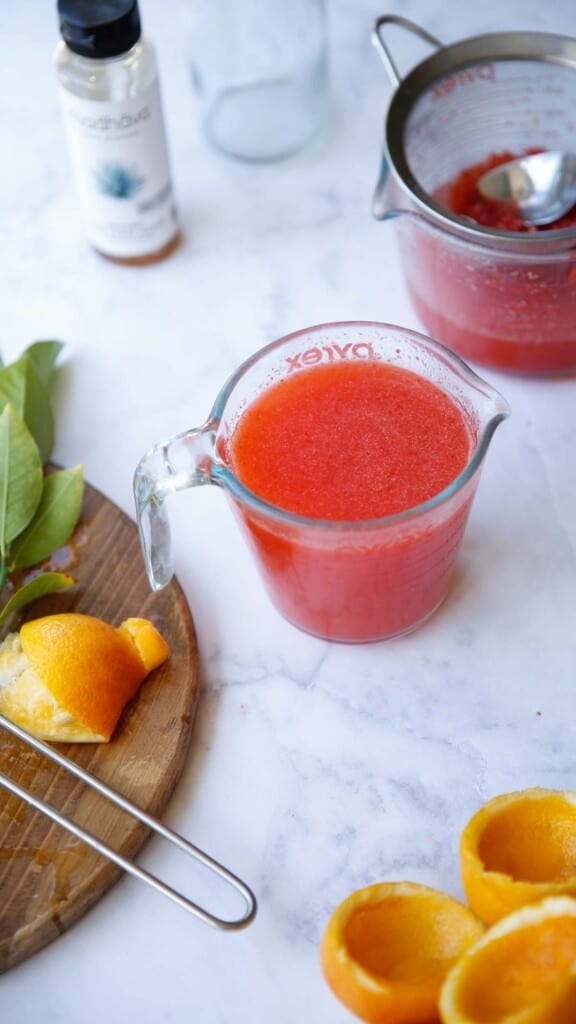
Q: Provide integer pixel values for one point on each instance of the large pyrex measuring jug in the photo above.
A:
(350, 581)
(503, 298)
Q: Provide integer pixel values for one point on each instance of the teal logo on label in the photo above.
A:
(118, 182)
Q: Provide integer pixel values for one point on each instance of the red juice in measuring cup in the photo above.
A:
(350, 441)
(355, 441)
(350, 453)
(510, 307)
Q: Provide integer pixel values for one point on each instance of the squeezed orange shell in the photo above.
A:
(91, 668)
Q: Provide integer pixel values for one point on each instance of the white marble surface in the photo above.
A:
(314, 768)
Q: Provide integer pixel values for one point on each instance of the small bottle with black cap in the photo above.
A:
(112, 110)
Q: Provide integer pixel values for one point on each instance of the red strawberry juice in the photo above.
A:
(345, 444)
(499, 309)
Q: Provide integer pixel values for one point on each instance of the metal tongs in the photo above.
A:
(152, 823)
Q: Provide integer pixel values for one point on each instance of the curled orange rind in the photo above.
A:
(68, 677)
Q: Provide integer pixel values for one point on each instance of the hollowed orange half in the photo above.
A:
(388, 948)
(517, 849)
(522, 971)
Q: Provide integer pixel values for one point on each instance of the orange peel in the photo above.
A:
(388, 948)
(69, 676)
(519, 848)
(522, 971)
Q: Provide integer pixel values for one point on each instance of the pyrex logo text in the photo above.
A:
(330, 353)
(468, 76)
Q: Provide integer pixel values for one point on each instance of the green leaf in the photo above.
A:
(44, 355)
(20, 477)
(54, 520)
(23, 387)
(39, 586)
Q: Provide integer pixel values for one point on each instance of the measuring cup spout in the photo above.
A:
(382, 210)
(169, 466)
(385, 195)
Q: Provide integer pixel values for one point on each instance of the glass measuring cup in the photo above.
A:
(349, 581)
(506, 299)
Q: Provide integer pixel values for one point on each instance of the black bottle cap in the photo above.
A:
(105, 28)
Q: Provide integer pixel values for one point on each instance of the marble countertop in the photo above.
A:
(314, 768)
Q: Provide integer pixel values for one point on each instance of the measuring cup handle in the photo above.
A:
(384, 52)
(169, 466)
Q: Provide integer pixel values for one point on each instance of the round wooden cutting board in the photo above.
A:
(49, 878)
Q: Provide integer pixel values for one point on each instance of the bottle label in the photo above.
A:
(122, 173)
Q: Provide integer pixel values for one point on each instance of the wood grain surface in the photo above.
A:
(48, 878)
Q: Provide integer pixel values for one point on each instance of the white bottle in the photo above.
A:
(112, 112)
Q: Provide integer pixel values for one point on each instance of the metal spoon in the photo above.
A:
(540, 187)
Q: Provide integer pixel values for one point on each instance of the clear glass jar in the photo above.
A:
(260, 74)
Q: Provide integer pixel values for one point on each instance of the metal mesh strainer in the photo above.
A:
(498, 92)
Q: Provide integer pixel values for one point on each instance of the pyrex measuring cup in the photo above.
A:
(503, 298)
(349, 581)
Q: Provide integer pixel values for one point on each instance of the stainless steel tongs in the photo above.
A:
(152, 823)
